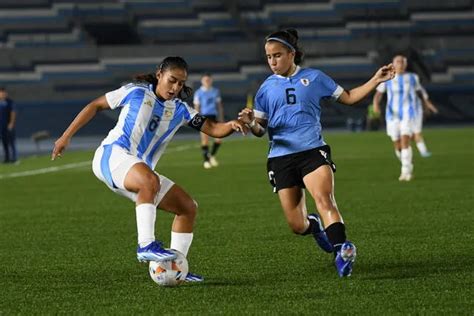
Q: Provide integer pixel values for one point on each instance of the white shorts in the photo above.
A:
(418, 124)
(111, 164)
(396, 128)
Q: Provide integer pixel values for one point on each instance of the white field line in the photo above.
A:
(74, 165)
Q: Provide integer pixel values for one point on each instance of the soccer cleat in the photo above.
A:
(319, 234)
(213, 161)
(405, 177)
(207, 165)
(154, 252)
(425, 154)
(345, 259)
(191, 277)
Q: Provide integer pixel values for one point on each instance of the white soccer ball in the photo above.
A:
(169, 272)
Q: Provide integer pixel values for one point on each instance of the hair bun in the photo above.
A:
(293, 32)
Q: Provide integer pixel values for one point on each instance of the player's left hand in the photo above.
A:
(385, 73)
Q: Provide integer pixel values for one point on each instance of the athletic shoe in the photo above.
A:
(425, 154)
(207, 165)
(191, 277)
(320, 235)
(213, 161)
(345, 259)
(405, 177)
(154, 252)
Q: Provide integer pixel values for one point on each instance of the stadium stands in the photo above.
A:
(62, 53)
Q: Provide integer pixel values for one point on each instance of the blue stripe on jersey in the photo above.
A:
(147, 137)
(389, 113)
(135, 98)
(400, 99)
(104, 166)
(178, 116)
(412, 97)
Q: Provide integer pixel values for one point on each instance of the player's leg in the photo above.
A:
(393, 131)
(294, 207)
(205, 150)
(6, 149)
(320, 184)
(177, 201)
(12, 145)
(215, 147)
(418, 138)
(406, 131)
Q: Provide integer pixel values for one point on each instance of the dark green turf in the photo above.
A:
(68, 244)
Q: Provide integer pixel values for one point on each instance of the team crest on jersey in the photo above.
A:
(148, 102)
(168, 113)
(305, 82)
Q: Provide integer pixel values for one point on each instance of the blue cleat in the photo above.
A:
(190, 277)
(345, 259)
(319, 234)
(154, 252)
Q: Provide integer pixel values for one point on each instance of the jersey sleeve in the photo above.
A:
(115, 97)
(382, 87)
(329, 88)
(260, 104)
(417, 83)
(189, 112)
(424, 93)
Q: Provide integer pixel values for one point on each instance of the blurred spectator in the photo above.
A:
(7, 126)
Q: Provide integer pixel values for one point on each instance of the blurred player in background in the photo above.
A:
(7, 126)
(151, 113)
(403, 115)
(208, 102)
(288, 105)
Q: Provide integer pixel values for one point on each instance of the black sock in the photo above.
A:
(312, 225)
(215, 147)
(337, 235)
(205, 152)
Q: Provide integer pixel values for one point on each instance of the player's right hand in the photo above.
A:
(59, 147)
(246, 115)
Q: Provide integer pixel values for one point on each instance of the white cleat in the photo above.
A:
(405, 177)
(207, 165)
(213, 161)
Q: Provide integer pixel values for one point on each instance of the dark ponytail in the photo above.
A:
(167, 64)
(289, 38)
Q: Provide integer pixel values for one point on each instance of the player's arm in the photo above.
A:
(257, 126)
(351, 97)
(217, 129)
(86, 114)
(424, 97)
(12, 121)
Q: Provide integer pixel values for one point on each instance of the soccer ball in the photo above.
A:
(169, 272)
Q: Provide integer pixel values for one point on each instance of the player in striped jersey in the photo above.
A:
(151, 113)
(288, 105)
(402, 113)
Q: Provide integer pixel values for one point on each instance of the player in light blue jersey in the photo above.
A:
(151, 113)
(207, 101)
(288, 106)
(404, 114)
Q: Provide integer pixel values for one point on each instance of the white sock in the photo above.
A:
(422, 147)
(398, 154)
(406, 159)
(181, 242)
(146, 216)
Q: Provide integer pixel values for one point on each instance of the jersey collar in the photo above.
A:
(298, 68)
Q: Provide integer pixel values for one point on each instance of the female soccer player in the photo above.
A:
(151, 113)
(403, 115)
(208, 102)
(288, 105)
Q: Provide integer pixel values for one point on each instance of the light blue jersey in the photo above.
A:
(146, 124)
(291, 105)
(207, 99)
(402, 99)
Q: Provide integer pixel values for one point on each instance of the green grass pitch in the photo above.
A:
(68, 243)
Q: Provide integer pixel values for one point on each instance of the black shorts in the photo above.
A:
(288, 171)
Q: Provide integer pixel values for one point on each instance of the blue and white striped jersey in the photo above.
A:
(293, 110)
(402, 99)
(146, 124)
(208, 99)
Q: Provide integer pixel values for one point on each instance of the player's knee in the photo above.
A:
(151, 184)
